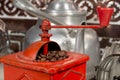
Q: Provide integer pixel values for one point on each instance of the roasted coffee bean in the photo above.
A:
(54, 52)
(60, 58)
(43, 59)
(39, 57)
(43, 56)
(47, 60)
(53, 59)
(57, 55)
(53, 56)
(62, 53)
(66, 56)
(49, 57)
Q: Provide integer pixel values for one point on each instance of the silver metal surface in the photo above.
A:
(25, 5)
(62, 6)
(1, 72)
(109, 68)
(90, 47)
(65, 13)
(109, 65)
(4, 39)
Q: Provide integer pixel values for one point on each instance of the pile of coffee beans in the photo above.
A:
(53, 56)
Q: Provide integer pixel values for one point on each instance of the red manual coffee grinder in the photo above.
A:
(37, 62)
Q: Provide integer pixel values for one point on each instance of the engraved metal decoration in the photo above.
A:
(4, 40)
(2, 26)
(7, 10)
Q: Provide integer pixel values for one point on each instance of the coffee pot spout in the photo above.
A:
(28, 7)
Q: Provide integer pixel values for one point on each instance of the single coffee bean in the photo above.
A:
(57, 55)
(43, 56)
(43, 59)
(53, 59)
(62, 53)
(60, 58)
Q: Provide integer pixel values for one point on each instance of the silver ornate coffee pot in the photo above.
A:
(64, 12)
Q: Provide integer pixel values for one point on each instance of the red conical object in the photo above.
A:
(104, 15)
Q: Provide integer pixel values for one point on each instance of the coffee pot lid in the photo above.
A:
(62, 6)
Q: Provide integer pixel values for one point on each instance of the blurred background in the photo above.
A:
(14, 24)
